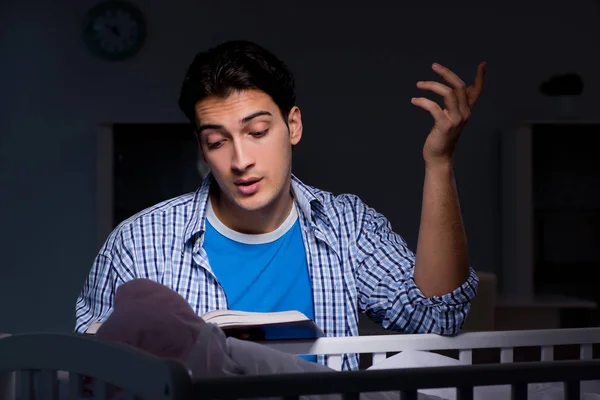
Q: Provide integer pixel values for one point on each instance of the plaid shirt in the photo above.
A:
(356, 264)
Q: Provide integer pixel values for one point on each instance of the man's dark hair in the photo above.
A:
(234, 66)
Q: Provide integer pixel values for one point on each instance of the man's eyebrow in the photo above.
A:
(250, 117)
(243, 121)
(216, 127)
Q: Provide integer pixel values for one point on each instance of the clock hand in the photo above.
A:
(115, 30)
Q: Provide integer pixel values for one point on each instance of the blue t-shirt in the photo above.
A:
(261, 273)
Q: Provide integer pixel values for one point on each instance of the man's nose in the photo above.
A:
(242, 158)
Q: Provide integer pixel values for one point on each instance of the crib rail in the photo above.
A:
(465, 343)
(404, 381)
(46, 356)
(144, 376)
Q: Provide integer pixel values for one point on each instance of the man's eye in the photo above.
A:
(259, 134)
(214, 145)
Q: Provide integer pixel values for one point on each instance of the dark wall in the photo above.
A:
(356, 69)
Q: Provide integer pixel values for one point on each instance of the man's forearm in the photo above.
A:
(442, 260)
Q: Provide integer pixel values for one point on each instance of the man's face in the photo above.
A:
(247, 145)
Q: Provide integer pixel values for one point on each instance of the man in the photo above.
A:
(253, 237)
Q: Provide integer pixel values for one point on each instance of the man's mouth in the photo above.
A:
(247, 182)
(248, 186)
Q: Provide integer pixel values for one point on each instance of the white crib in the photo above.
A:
(109, 364)
(506, 341)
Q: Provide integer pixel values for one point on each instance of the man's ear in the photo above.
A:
(295, 125)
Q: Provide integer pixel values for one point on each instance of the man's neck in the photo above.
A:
(252, 222)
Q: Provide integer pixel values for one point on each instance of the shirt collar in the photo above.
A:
(196, 223)
(308, 203)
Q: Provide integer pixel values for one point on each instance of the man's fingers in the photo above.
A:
(431, 106)
(459, 86)
(474, 91)
(449, 96)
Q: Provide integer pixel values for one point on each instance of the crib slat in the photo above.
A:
(75, 386)
(547, 353)
(506, 355)
(466, 356)
(7, 384)
(408, 395)
(586, 352)
(26, 377)
(464, 393)
(100, 390)
(379, 357)
(48, 385)
(571, 390)
(127, 395)
(335, 362)
(518, 391)
(350, 396)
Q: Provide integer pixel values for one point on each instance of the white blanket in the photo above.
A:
(590, 390)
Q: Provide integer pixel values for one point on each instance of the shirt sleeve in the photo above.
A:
(387, 292)
(112, 267)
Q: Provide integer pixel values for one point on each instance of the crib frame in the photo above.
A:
(48, 357)
(168, 380)
(407, 382)
(507, 341)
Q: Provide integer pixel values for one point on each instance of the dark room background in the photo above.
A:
(356, 67)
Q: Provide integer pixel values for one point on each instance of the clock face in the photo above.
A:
(114, 30)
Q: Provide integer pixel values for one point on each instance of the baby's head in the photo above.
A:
(153, 318)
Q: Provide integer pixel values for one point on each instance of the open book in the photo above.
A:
(257, 325)
(264, 326)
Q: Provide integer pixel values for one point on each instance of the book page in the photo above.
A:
(225, 318)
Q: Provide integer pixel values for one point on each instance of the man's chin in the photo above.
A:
(251, 204)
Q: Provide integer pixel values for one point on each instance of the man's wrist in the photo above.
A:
(439, 166)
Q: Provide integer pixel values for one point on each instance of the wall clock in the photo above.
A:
(114, 30)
